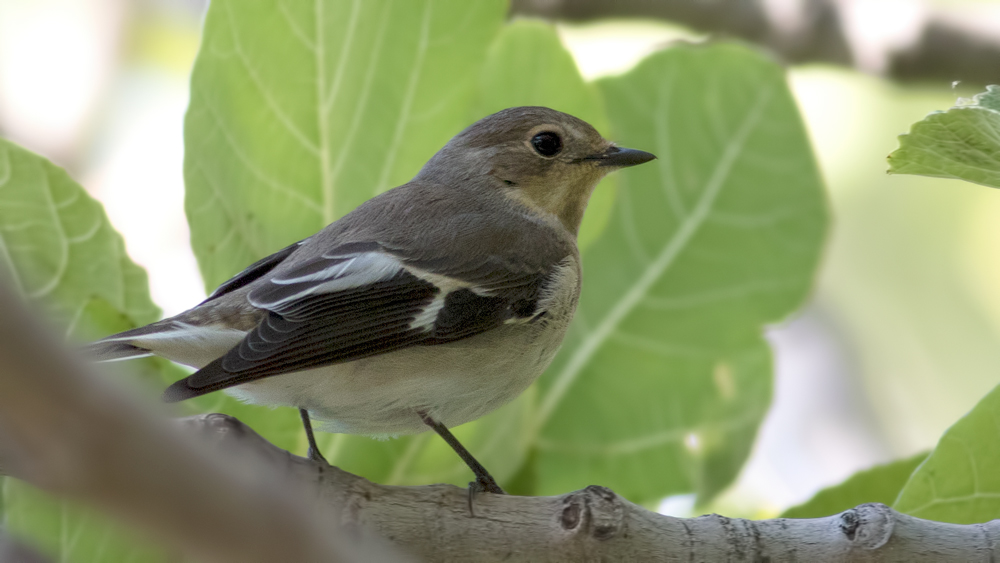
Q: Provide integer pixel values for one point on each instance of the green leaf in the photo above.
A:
(962, 143)
(878, 484)
(299, 112)
(990, 99)
(57, 247)
(59, 251)
(70, 532)
(664, 376)
(527, 65)
(959, 482)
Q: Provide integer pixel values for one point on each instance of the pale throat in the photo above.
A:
(565, 205)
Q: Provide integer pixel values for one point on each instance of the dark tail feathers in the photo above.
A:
(179, 391)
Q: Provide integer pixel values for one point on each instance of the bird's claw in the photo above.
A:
(486, 485)
(482, 485)
(314, 455)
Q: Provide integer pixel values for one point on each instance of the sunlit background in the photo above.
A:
(900, 338)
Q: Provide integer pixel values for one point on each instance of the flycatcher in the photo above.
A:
(429, 305)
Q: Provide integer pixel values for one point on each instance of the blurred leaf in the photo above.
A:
(990, 99)
(664, 377)
(301, 111)
(963, 143)
(878, 484)
(959, 482)
(527, 65)
(73, 533)
(58, 249)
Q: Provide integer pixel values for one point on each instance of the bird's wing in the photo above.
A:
(254, 271)
(360, 299)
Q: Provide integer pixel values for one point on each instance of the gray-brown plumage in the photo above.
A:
(431, 304)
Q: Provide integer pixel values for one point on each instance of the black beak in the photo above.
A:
(619, 157)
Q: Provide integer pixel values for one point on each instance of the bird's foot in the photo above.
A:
(313, 452)
(485, 484)
(482, 485)
(314, 455)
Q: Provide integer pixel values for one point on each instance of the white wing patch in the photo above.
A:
(335, 271)
(428, 316)
(425, 319)
(358, 271)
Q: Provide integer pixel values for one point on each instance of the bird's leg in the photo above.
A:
(484, 481)
(313, 448)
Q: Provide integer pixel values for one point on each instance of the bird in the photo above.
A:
(426, 307)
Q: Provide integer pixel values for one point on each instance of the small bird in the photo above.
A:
(429, 305)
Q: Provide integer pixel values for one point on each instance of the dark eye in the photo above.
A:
(547, 143)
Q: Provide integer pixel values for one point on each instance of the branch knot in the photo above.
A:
(595, 511)
(868, 526)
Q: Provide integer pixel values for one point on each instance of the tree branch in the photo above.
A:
(594, 524)
(921, 44)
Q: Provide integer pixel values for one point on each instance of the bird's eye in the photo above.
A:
(547, 143)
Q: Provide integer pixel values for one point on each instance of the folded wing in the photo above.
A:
(359, 300)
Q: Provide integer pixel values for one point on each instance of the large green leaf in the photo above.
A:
(963, 143)
(878, 484)
(300, 111)
(58, 249)
(664, 377)
(960, 482)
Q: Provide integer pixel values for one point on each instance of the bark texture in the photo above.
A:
(435, 523)
(913, 42)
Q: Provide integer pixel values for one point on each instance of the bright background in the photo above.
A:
(900, 338)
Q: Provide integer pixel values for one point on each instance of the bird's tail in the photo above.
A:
(109, 350)
(121, 346)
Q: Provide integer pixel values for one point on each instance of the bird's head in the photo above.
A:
(545, 159)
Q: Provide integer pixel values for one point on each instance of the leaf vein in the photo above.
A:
(408, 96)
(664, 260)
(272, 105)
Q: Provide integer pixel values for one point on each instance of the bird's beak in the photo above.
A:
(620, 158)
